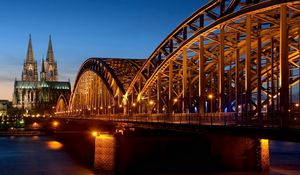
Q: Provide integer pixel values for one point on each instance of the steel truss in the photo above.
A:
(239, 56)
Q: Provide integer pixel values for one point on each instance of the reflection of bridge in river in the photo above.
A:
(231, 62)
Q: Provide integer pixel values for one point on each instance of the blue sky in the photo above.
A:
(82, 29)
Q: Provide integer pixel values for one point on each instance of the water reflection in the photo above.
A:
(54, 145)
(22, 155)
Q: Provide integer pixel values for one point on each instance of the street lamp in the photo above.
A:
(210, 96)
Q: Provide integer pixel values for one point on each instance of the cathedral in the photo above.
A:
(39, 93)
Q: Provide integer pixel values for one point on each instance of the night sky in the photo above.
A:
(81, 29)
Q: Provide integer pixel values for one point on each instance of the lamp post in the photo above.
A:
(210, 96)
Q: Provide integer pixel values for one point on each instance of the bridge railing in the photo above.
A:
(217, 119)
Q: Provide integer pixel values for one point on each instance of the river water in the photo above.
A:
(36, 156)
(45, 156)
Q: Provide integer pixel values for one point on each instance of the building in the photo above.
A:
(39, 94)
(4, 105)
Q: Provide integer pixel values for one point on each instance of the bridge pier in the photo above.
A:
(140, 152)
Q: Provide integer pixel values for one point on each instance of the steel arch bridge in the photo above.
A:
(231, 56)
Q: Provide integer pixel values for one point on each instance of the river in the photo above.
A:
(44, 156)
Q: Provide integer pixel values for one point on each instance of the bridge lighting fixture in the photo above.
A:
(109, 107)
(210, 96)
(297, 104)
(133, 104)
(95, 133)
(151, 102)
(175, 100)
(94, 108)
(55, 123)
(101, 107)
(120, 106)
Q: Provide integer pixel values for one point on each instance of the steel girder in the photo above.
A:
(246, 58)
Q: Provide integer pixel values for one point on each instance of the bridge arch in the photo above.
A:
(240, 59)
(62, 105)
(100, 85)
(239, 56)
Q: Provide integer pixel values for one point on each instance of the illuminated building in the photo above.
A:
(39, 94)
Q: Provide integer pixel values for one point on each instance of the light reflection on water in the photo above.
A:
(36, 155)
(54, 145)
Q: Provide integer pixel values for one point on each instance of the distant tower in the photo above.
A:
(50, 64)
(30, 66)
(43, 71)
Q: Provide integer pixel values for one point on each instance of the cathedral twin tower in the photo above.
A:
(39, 95)
(48, 69)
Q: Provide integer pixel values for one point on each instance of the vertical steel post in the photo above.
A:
(272, 77)
(170, 108)
(237, 78)
(184, 80)
(221, 71)
(259, 84)
(201, 76)
(158, 104)
(284, 66)
(248, 65)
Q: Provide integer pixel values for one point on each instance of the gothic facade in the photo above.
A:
(39, 94)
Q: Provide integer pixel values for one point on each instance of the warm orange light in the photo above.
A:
(297, 104)
(55, 123)
(35, 125)
(151, 102)
(133, 104)
(175, 100)
(210, 96)
(54, 145)
(94, 133)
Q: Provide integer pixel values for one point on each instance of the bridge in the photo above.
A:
(232, 62)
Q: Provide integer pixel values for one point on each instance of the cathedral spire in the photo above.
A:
(29, 56)
(29, 72)
(50, 54)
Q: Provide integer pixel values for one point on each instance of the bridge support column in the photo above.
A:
(258, 107)
(201, 76)
(158, 105)
(221, 71)
(284, 67)
(248, 65)
(236, 80)
(184, 81)
(170, 108)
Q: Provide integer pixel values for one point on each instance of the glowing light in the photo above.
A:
(265, 157)
(55, 123)
(210, 96)
(101, 107)
(175, 100)
(151, 102)
(95, 133)
(35, 125)
(133, 104)
(120, 106)
(54, 145)
(109, 107)
(297, 104)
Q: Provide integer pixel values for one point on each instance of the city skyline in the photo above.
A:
(83, 29)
